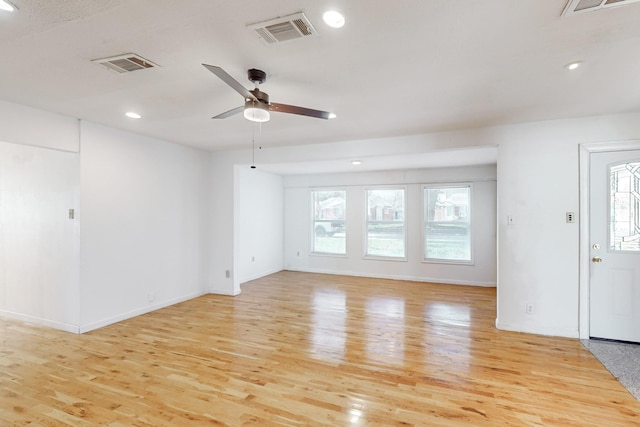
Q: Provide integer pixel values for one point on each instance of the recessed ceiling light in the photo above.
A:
(5, 5)
(133, 115)
(573, 65)
(333, 19)
(356, 162)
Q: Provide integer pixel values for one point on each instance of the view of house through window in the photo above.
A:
(447, 227)
(624, 217)
(329, 229)
(385, 223)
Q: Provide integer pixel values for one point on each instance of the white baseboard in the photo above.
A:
(538, 329)
(137, 312)
(398, 277)
(226, 292)
(259, 275)
(36, 320)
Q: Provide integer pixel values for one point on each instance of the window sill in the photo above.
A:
(447, 261)
(327, 254)
(384, 258)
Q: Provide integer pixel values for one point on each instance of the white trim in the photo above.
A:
(36, 320)
(226, 292)
(327, 255)
(585, 151)
(396, 277)
(537, 329)
(257, 276)
(137, 312)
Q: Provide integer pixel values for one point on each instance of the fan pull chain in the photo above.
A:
(253, 146)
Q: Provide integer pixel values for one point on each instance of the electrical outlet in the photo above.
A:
(227, 273)
(530, 309)
(571, 217)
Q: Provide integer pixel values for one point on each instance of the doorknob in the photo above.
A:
(596, 259)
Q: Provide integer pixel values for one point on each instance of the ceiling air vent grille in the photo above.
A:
(125, 63)
(579, 6)
(283, 29)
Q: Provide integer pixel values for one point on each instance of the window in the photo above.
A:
(385, 228)
(329, 229)
(624, 207)
(447, 225)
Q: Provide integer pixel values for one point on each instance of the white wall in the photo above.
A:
(29, 126)
(39, 258)
(538, 182)
(39, 244)
(145, 216)
(222, 226)
(298, 236)
(259, 224)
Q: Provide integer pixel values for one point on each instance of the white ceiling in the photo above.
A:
(395, 68)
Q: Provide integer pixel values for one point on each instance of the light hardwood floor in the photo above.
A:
(308, 349)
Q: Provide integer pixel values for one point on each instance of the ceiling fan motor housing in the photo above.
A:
(257, 76)
(262, 96)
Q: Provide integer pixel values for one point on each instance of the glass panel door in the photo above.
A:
(624, 207)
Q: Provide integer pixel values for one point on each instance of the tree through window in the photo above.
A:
(329, 228)
(386, 232)
(447, 225)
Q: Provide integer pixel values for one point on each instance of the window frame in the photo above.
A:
(312, 235)
(365, 233)
(471, 216)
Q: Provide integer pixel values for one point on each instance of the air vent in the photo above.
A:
(125, 63)
(580, 6)
(283, 29)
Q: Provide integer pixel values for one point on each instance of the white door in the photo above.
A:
(614, 230)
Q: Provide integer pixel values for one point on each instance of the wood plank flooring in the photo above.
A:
(301, 349)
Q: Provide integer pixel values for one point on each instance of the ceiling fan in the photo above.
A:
(256, 106)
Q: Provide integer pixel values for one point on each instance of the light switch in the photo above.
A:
(571, 217)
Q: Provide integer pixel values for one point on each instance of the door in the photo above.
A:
(614, 230)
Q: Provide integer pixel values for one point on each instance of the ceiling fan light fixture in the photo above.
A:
(6, 6)
(256, 112)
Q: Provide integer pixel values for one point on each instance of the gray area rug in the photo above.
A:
(621, 359)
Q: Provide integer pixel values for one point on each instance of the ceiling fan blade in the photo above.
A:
(225, 77)
(292, 109)
(229, 113)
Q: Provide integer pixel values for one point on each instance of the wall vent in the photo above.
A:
(285, 28)
(125, 63)
(579, 6)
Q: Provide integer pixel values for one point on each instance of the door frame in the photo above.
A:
(585, 239)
